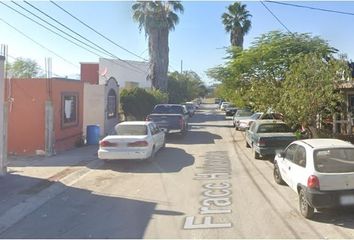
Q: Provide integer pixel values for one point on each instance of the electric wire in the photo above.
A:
(100, 34)
(276, 17)
(312, 8)
(108, 39)
(94, 53)
(96, 45)
(42, 46)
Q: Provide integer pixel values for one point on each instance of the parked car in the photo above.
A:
(268, 137)
(230, 110)
(241, 114)
(217, 100)
(191, 107)
(245, 122)
(224, 105)
(320, 171)
(170, 117)
(133, 140)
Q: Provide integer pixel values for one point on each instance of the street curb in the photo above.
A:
(18, 212)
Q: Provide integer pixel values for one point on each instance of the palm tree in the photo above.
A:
(237, 22)
(157, 18)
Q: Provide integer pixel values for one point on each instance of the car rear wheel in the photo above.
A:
(247, 145)
(277, 177)
(305, 209)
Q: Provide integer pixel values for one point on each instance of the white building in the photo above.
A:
(128, 73)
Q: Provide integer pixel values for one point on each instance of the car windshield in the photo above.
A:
(256, 116)
(168, 109)
(243, 113)
(334, 160)
(273, 128)
(126, 130)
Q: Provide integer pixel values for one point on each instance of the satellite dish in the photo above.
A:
(104, 72)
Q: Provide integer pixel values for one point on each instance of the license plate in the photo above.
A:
(347, 200)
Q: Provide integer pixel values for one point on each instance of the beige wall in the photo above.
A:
(94, 106)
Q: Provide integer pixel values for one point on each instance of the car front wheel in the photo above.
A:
(305, 209)
(277, 177)
(255, 154)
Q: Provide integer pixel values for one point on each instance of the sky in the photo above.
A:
(199, 40)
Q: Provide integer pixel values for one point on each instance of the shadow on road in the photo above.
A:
(167, 160)
(193, 137)
(74, 213)
(342, 217)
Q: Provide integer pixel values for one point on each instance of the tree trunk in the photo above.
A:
(158, 50)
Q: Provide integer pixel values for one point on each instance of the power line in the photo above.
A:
(276, 17)
(60, 31)
(14, 58)
(48, 28)
(57, 27)
(42, 46)
(104, 50)
(312, 8)
(108, 39)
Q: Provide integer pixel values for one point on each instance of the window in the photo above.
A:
(111, 104)
(69, 109)
(135, 130)
(290, 152)
(300, 156)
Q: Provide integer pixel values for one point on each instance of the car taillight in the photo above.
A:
(107, 144)
(138, 144)
(181, 122)
(313, 182)
(261, 143)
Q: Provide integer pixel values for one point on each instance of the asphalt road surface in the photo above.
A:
(203, 185)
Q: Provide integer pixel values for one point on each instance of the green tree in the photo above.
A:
(138, 102)
(237, 23)
(256, 75)
(157, 18)
(23, 68)
(185, 86)
(308, 91)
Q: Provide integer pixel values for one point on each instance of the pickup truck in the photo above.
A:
(170, 117)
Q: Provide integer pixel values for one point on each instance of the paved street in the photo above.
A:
(203, 185)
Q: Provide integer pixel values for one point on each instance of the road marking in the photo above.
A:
(216, 170)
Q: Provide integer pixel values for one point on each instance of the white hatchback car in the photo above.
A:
(133, 140)
(321, 171)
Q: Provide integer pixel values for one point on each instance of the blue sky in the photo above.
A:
(199, 39)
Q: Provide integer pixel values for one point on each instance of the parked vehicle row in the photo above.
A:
(320, 171)
(143, 139)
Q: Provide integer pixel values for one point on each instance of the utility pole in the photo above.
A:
(181, 66)
(3, 130)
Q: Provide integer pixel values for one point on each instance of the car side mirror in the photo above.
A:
(281, 154)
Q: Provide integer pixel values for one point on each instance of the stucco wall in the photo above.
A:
(124, 72)
(66, 137)
(89, 73)
(94, 107)
(26, 115)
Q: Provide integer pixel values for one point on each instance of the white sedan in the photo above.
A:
(320, 171)
(133, 140)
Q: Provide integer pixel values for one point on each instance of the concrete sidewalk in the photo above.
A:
(31, 181)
